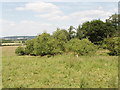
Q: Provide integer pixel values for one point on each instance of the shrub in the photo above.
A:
(55, 46)
(61, 36)
(113, 45)
(29, 47)
(81, 47)
(20, 51)
(41, 45)
(46, 45)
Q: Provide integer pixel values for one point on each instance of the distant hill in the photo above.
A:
(18, 37)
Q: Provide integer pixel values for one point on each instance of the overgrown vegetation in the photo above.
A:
(113, 45)
(83, 40)
(60, 71)
(20, 51)
(81, 47)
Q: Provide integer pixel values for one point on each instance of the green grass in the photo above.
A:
(61, 71)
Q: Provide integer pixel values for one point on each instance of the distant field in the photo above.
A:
(61, 71)
(11, 44)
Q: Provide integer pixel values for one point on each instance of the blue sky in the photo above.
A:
(33, 18)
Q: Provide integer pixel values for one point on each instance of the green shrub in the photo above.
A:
(29, 47)
(20, 51)
(113, 45)
(81, 47)
(41, 46)
(55, 45)
(46, 45)
(61, 36)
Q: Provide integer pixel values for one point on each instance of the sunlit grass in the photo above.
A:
(61, 71)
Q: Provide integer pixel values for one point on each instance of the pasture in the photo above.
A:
(60, 71)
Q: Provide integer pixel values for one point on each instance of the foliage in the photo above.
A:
(41, 46)
(114, 19)
(113, 45)
(61, 37)
(76, 38)
(81, 47)
(7, 41)
(29, 47)
(97, 30)
(47, 45)
(20, 51)
(80, 33)
(71, 32)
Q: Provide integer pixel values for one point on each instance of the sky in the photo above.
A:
(36, 17)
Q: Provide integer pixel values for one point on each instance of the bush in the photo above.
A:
(20, 51)
(46, 45)
(41, 45)
(55, 45)
(29, 47)
(113, 45)
(61, 36)
(81, 47)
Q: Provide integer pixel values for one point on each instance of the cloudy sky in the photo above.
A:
(33, 18)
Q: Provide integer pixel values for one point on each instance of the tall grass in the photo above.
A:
(61, 71)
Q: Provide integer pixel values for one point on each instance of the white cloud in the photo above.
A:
(90, 14)
(77, 17)
(55, 17)
(41, 7)
(26, 27)
(100, 7)
(53, 13)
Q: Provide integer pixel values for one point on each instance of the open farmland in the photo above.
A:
(60, 71)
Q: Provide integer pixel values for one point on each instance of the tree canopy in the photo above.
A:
(80, 40)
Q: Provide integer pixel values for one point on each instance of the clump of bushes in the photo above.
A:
(46, 44)
(20, 51)
(29, 47)
(81, 47)
(113, 45)
(79, 40)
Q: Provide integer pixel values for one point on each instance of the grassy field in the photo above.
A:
(61, 71)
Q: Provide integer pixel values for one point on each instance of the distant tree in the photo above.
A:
(114, 20)
(97, 30)
(113, 45)
(71, 32)
(110, 30)
(6, 41)
(79, 33)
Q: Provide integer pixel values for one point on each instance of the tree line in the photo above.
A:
(83, 40)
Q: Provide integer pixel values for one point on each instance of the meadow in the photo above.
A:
(60, 71)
